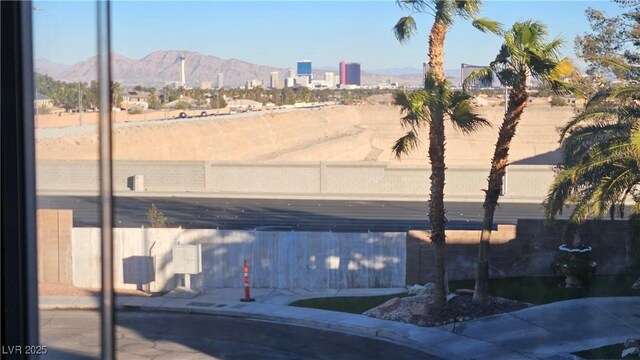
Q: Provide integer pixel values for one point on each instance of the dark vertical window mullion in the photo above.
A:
(18, 264)
(106, 194)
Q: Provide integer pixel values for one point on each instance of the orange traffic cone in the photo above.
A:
(247, 293)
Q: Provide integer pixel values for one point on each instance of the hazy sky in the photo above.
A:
(279, 33)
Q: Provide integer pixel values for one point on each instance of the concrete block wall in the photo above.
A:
(162, 175)
(523, 250)
(276, 259)
(263, 177)
(344, 179)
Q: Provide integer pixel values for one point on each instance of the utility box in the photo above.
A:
(187, 259)
(135, 182)
(138, 183)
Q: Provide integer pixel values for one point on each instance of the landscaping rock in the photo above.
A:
(427, 289)
(390, 305)
(630, 353)
(417, 290)
(631, 349)
(636, 285)
(419, 309)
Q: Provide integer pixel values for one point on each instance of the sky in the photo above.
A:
(279, 33)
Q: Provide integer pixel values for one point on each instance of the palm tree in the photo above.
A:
(444, 13)
(419, 108)
(601, 164)
(525, 53)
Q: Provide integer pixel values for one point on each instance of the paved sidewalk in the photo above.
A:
(550, 331)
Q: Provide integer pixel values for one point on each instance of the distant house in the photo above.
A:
(135, 99)
(42, 102)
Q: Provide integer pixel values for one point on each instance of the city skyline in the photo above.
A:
(64, 32)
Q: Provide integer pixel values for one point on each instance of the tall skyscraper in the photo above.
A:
(329, 78)
(352, 73)
(304, 69)
(220, 80)
(275, 80)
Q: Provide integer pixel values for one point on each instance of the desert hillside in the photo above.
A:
(339, 133)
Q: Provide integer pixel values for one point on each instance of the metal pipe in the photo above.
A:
(107, 315)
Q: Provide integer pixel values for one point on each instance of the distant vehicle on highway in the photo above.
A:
(183, 115)
(204, 113)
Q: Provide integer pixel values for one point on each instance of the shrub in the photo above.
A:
(558, 101)
(156, 218)
(182, 105)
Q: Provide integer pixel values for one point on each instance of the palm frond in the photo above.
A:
(467, 8)
(487, 25)
(589, 115)
(405, 28)
(406, 144)
(480, 76)
(560, 191)
(462, 115)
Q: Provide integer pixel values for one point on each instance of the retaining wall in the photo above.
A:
(344, 179)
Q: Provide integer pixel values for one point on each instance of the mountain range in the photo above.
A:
(163, 67)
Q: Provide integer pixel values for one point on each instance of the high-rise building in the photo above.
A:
(205, 85)
(275, 80)
(220, 80)
(466, 70)
(254, 83)
(290, 82)
(304, 69)
(303, 80)
(291, 73)
(329, 79)
(352, 74)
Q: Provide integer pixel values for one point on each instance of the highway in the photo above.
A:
(285, 215)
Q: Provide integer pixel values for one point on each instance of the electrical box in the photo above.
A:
(187, 259)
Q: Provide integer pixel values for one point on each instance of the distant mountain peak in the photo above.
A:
(159, 68)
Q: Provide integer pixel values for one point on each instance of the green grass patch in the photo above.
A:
(536, 290)
(348, 304)
(605, 352)
(539, 290)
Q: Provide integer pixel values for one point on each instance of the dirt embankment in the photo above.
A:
(340, 133)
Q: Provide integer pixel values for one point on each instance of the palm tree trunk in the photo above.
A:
(517, 101)
(437, 210)
(436, 158)
(436, 49)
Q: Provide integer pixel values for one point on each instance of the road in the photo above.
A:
(73, 335)
(287, 215)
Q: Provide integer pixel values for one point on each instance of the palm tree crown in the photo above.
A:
(601, 164)
(436, 97)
